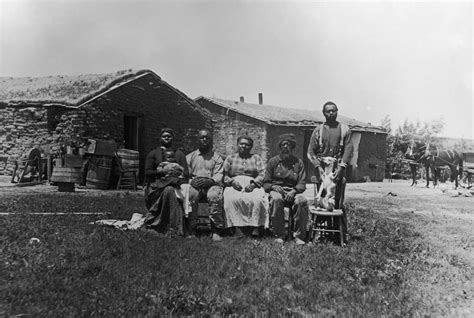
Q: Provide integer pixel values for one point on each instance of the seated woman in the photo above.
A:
(165, 211)
(245, 201)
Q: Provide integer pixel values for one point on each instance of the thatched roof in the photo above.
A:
(62, 90)
(282, 116)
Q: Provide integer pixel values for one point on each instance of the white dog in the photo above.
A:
(328, 201)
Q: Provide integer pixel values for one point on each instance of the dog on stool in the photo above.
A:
(328, 185)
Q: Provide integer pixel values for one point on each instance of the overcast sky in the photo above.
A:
(402, 59)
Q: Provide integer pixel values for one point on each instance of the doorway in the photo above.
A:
(131, 132)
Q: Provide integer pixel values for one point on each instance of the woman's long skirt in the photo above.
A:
(165, 211)
(245, 208)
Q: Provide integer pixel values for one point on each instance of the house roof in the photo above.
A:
(282, 116)
(65, 90)
(72, 91)
(75, 91)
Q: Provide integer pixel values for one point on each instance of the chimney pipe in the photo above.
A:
(241, 99)
(260, 98)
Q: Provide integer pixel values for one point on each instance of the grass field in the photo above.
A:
(390, 268)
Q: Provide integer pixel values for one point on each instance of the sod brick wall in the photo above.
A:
(229, 126)
(155, 103)
(26, 127)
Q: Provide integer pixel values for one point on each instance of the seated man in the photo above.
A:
(285, 181)
(206, 169)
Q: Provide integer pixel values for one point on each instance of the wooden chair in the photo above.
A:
(127, 177)
(289, 220)
(199, 220)
(201, 215)
(327, 224)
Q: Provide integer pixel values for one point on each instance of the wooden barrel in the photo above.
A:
(98, 174)
(63, 174)
(129, 159)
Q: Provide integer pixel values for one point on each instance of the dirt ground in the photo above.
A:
(448, 213)
(445, 219)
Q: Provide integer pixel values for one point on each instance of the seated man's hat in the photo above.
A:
(287, 137)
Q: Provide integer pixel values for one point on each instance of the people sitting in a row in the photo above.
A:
(241, 189)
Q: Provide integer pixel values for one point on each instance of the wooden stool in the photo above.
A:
(323, 223)
(289, 222)
(202, 216)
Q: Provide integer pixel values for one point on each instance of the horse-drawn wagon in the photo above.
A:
(468, 166)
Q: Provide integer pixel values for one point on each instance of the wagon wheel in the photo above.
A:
(32, 160)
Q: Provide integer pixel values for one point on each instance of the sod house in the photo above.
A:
(264, 123)
(128, 107)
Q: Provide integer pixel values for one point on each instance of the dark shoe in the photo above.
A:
(238, 233)
(256, 232)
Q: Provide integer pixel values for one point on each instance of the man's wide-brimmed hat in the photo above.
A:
(287, 137)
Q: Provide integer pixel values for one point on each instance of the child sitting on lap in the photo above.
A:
(171, 172)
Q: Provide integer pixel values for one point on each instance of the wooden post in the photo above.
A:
(48, 168)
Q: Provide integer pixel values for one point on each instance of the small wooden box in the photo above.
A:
(73, 161)
(101, 147)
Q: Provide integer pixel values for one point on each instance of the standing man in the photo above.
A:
(165, 212)
(285, 181)
(332, 139)
(206, 169)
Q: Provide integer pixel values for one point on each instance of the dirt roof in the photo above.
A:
(276, 115)
(60, 89)
(74, 91)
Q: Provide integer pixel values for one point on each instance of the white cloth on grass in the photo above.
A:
(135, 222)
(138, 219)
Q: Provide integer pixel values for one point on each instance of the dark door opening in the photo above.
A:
(131, 132)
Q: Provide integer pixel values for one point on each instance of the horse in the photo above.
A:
(414, 160)
(434, 158)
(440, 158)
